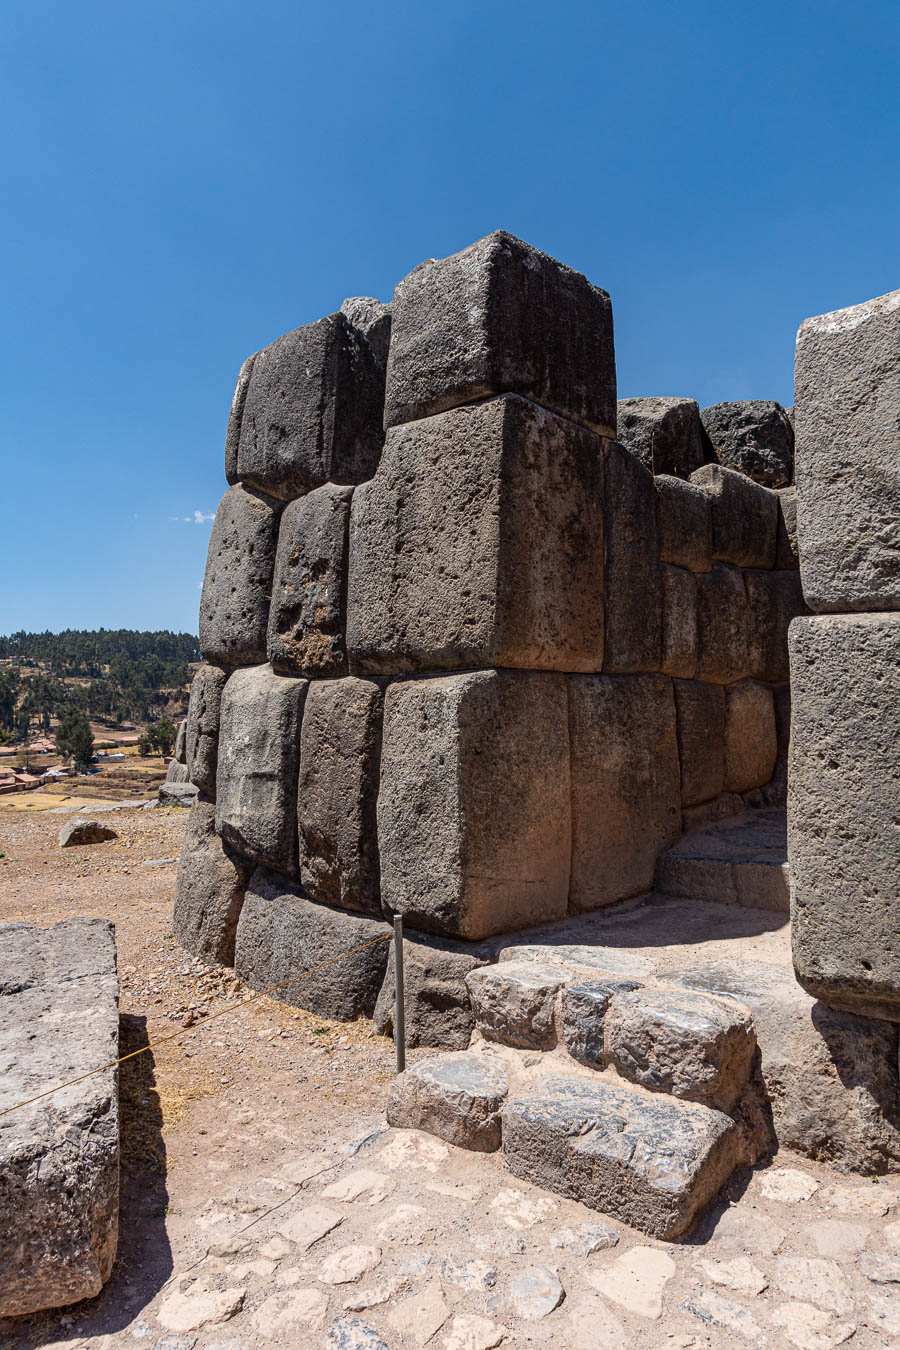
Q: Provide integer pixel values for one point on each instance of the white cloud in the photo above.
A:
(203, 517)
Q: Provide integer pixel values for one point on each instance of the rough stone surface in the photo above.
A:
(633, 633)
(723, 625)
(744, 517)
(209, 890)
(653, 1161)
(438, 1008)
(787, 549)
(473, 811)
(456, 1096)
(59, 1157)
(773, 600)
(583, 1014)
(741, 860)
(684, 523)
(313, 409)
(844, 786)
(177, 772)
(307, 615)
(281, 934)
(534, 1293)
(626, 796)
(177, 793)
(202, 735)
(679, 627)
(234, 606)
(847, 381)
(665, 434)
(256, 779)
(514, 1002)
(80, 831)
(501, 317)
(700, 722)
(754, 437)
(751, 743)
(233, 434)
(479, 542)
(373, 319)
(340, 752)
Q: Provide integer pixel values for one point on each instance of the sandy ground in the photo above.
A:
(264, 1202)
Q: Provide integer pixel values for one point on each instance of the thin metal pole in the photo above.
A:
(399, 1005)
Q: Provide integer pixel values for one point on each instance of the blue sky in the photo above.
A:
(185, 181)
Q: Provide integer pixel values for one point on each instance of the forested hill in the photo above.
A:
(83, 652)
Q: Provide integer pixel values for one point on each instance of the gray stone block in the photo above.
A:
(787, 551)
(754, 437)
(626, 796)
(665, 434)
(473, 809)
(751, 741)
(373, 319)
(700, 721)
(81, 830)
(843, 790)
(436, 1000)
(281, 935)
(233, 434)
(514, 1002)
(59, 1157)
(234, 606)
(177, 792)
(256, 778)
(744, 517)
(773, 599)
(313, 410)
(340, 753)
(633, 585)
(679, 626)
(479, 542)
(457, 1097)
(583, 1012)
(209, 889)
(501, 317)
(177, 772)
(202, 739)
(179, 750)
(723, 625)
(307, 616)
(684, 523)
(847, 383)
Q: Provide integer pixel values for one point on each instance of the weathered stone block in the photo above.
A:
(626, 797)
(233, 434)
(723, 625)
(773, 599)
(665, 434)
(473, 811)
(684, 523)
(457, 1097)
(787, 551)
(633, 586)
(209, 890)
(59, 1157)
(340, 752)
(479, 542)
(583, 1012)
(436, 1000)
(177, 772)
(179, 751)
(847, 382)
(202, 738)
(751, 741)
(373, 319)
(307, 615)
(514, 1002)
(679, 627)
(754, 437)
(234, 606)
(313, 409)
(744, 517)
(80, 830)
(177, 793)
(700, 720)
(256, 778)
(281, 934)
(501, 317)
(843, 790)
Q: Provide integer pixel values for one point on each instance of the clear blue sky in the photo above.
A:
(183, 180)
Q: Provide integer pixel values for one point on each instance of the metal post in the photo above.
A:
(399, 1005)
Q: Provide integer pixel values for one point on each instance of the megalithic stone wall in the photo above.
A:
(478, 667)
(844, 800)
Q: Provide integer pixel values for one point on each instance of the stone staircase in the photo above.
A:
(740, 861)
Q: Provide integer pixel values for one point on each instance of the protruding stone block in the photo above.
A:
(787, 550)
(209, 891)
(723, 625)
(233, 434)
(256, 778)
(373, 319)
(633, 586)
(202, 738)
(340, 752)
(514, 1001)
(744, 517)
(312, 412)
(501, 317)
(234, 606)
(626, 798)
(754, 437)
(843, 791)
(679, 629)
(665, 434)
(473, 811)
(773, 599)
(847, 382)
(479, 542)
(438, 1007)
(307, 615)
(751, 742)
(583, 1012)
(457, 1097)
(700, 719)
(684, 523)
(281, 935)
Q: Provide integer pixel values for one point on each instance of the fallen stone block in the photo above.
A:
(700, 722)
(848, 466)
(723, 625)
(774, 599)
(437, 1004)
(209, 889)
(684, 523)
(751, 742)
(531, 327)
(59, 1157)
(649, 1161)
(633, 603)
(457, 1097)
(584, 1008)
(514, 1001)
(313, 411)
(79, 831)
(177, 794)
(234, 605)
(754, 437)
(744, 517)
(665, 434)
(281, 934)
(202, 741)
(233, 434)
(679, 626)
(373, 319)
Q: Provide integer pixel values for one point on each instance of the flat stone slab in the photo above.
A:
(59, 1157)
(740, 861)
(457, 1097)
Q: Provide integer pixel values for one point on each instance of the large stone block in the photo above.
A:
(479, 542)
(281, 935)
(373, 319)
(340, 753)
(843, 791)
(665, 434)
(626, 796)
(457, 1097)
(754, 437)
(501, 317)
(633, 584)
(256, 778)
(59, 1157)
(307, 615)
(233, 434)
(723, 625)
(787, 550)
(437, 1004)
(209, 890)
(700, 718)
(514, 1002)
(684, 523)
(584, 1008)
(202, 736)
(744, 517)
(473, 810)
(751, 741)
(234, 606)
(312, 412)
(773, 600)
(679, 627)
(847, 383)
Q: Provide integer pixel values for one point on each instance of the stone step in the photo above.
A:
(457, 1097)
(740, 861)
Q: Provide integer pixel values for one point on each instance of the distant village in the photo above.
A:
(42, 766)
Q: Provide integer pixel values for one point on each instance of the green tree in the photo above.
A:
(74, 739)
(162, 734)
